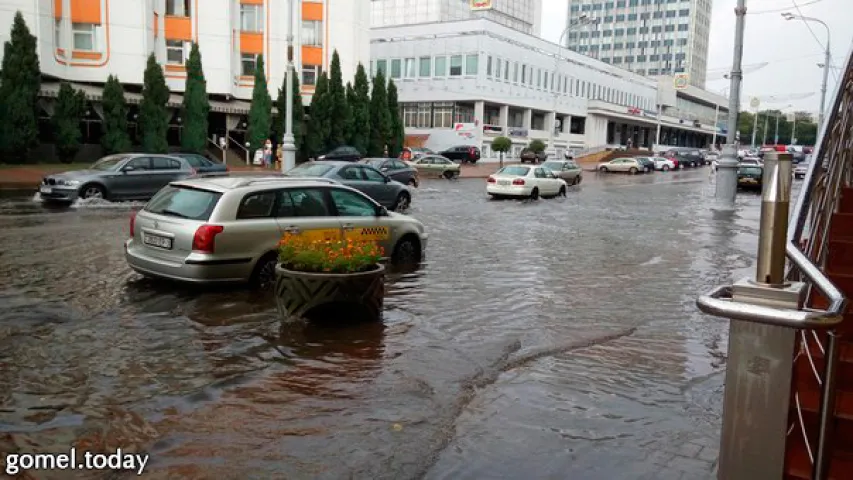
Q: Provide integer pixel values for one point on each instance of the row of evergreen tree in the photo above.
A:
(340, 114)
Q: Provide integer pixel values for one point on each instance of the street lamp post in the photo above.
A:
(826, 63)
(582, 20)
(726, 185)
(288, 143)
(717, 118)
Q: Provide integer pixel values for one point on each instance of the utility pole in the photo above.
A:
(726, 185)
(776, 135)
(288, 144)
(764, 132)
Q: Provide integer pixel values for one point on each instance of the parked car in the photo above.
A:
(462, 154)
(630, 165)
(525, 182)
(528, 155)
(687, 157)
(750, 162)
(220, 228)
(412, 153)
(663, 164)
(373, 183)
(396, 169)
(647, 163)
(125, 176)
(801, 170)
(343, 153)
(568, 170)
(202, 164)
(436, 165)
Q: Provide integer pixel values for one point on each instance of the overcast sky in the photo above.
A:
(792, 53)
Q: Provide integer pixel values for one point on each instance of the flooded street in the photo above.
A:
(549, 339)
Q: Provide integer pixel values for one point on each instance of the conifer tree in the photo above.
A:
(20, 82)
(153, 115)
(380, 117)
(115, 138)
(260, 111)
(68, 111)
(196, 106)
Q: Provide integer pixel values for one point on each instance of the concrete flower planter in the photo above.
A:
(326, 296)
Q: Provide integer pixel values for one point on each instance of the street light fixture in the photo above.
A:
(581, 20)
(288, 142)
(826, 62)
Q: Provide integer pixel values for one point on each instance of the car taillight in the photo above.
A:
(491, 180)
(518, 181)
(204, 238)
(472, 151)
(132, 223)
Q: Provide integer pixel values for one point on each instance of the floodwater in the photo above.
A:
(548, 339)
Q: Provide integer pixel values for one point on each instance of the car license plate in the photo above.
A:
(503, 182)
(45, 189)
(157, 241)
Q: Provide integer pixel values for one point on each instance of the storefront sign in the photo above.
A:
(480, 5)
(634, 110)
(492, 130)
(517, 132)
(680, 81)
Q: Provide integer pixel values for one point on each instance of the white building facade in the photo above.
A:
(650, 37)
(522, 15)
(467, 82)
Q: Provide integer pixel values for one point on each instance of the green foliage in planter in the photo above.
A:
(303, 254)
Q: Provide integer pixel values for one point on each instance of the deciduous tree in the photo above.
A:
(196, 106)
(153, 115)
(260, 111)
(115, 138)
(20, 82)
(501, 145)
(68, 112)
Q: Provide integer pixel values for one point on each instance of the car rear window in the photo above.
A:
(183, 202)
(553, 165)
(520, 171)
(750, 171)
(309, 170)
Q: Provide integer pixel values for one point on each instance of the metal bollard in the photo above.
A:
(760, 356)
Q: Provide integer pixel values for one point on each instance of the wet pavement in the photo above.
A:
(549, 339)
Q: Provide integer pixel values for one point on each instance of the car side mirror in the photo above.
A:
(128, 168)
(387, 179)
(381, 211)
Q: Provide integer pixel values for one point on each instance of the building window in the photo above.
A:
(248, 62)
(396, 68)
(178, 8)
(382, 66)
(489, 66)
(410, 115)
(456, 65)
(506, 70)
(471, 65)
(176, 52)
(84, 37)
(498, 66)
(425, 67)
(310, 74)
(409, 68)
(424, 111)
(515, 72)
(440, 67)
(442, 115)
(524, 74)
(251, 18)
(312, 33)
(57, 33)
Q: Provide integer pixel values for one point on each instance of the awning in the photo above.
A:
(50, 89)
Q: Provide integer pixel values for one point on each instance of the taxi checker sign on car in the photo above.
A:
(359, 234)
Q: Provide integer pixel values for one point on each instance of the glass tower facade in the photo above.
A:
(521, 15)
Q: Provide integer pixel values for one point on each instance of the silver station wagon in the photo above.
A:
(225, 228)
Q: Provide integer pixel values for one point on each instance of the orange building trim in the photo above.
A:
(252, 2)
(312, 55)
(326, 41)
(57, 8)
(312, 11)
(86, 11)
(175, 68)
(84, 55)
(178, 28)
(251, 43)
(156, 26)
(107, 50)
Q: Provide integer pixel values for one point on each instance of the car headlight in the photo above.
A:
(69, 183)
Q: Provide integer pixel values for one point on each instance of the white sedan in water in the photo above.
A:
(525, 182)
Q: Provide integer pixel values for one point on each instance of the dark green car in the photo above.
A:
(750, 177)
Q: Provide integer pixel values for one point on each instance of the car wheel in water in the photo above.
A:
(93, 191)
(413, 183)
(406, 252)
(632, 171)
(603, 169)
(448, 175)
(263, 276)
(534, 195)
(665, 168)
(402, 203)
(562, 191)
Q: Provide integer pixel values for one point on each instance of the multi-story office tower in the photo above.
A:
(521, 15)
(649, 37)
